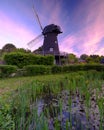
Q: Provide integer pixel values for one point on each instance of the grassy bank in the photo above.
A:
(9, 84)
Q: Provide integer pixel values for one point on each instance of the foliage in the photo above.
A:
(7, 70)
(82, 67)
(22, 50)
(72, 58)
(31, 70)
(56, 69)
(72, 68)
(9, 47)
(83, 56)
(21, 111)
(93, 59)
(23, 59)
(64, 61)
(6, 121)
(0, 53)
(44, 60)
(38, 50)
(102, 60)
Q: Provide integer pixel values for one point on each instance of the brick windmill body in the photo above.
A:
(50, 43)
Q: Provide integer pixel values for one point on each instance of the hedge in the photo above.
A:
(32, 70)
(23, 59)
(43, 69)
(78, 67)
(7, 70)
(98, 67)
(70, 68)
(56, 69)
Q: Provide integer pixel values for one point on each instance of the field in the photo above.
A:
(71, 101)
(9, 84)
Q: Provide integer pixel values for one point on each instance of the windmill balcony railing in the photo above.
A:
(52, 53)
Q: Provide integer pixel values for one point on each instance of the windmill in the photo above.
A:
(50, 42)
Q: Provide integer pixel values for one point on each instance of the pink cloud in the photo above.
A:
(51, 12)
(12, 32)
(94, 32)
(91, 34)
(67, 44)
(100, 52)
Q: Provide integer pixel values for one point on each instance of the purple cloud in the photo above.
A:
(12, 32)
(91, 34)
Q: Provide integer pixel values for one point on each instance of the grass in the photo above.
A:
(9, 84)
(25, 91)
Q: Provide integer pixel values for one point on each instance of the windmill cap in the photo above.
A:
(52, 28)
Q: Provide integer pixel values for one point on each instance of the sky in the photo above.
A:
(81, 21)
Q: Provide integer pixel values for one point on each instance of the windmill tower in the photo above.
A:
(50, 42)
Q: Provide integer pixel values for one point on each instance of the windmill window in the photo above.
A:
(51, 49)
(55, 41)
(45, 35)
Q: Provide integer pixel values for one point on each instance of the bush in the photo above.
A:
(31, 70)
(23, 59)
(86, 67)
(56, 69)
(43, 60)
(74, 68)
(70, 68)
(7, 70)
(97, 67)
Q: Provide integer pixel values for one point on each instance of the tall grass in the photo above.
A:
(20, 110)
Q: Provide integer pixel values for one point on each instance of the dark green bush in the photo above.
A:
(31, 70)
(74, 68)
(49, 60)
(18, 59)
(7, 70)
(97, 67)
(23, 59)
(43, 60)
(56, 69)
(70, 68)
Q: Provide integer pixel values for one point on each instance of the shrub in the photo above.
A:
(7, 70)
(23, 59)
(56, 69)
(48, 60)
(6, 121)
(31, 70)
(74, 68)
(97, 67)
(70, 68)
(43, 60)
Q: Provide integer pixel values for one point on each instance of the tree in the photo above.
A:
(72, 58)
(83, 57)
(0, 53)
(102, 60)
(22, 50)
(39, 50)
(95, 58)
(89, 60)
(9, 47)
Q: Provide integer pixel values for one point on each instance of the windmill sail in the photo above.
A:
(37, 17)
(35, 41)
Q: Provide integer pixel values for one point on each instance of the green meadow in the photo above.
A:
(68, 101)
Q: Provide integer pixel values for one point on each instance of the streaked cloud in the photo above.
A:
(51, 12)
(12, 32)
(82, 24)
(68, 43)
(88, 38)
